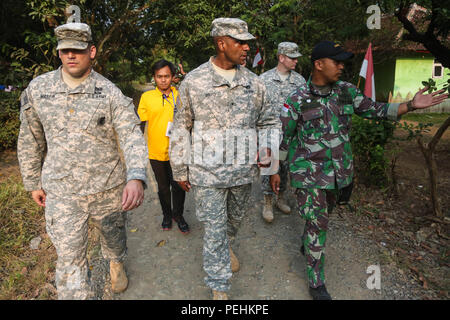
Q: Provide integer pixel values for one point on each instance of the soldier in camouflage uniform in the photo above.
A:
(316, 121)
(280, 82)
(224, 99)
(73, 121)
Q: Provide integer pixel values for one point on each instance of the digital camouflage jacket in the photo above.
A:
(316, 133)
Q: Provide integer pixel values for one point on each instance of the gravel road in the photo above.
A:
(167, 265)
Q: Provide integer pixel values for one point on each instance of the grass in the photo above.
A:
(434, 118)
(24, 273)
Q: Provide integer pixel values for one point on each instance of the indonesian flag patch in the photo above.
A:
(285, 108)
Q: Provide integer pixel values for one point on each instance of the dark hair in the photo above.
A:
(161, 64)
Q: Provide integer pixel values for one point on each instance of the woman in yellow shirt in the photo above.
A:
(157, 108)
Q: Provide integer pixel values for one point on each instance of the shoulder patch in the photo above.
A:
(23, 98)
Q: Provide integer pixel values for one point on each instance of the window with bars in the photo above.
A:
(438, 70)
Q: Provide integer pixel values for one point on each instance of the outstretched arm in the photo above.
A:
(423, 101)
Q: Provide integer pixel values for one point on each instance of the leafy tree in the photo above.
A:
(431, 31)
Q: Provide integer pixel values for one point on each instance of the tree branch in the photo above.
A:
(124, 18)
(439, 134)
(429, 41)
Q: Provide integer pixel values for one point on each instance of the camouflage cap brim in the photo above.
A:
(294, 55)
(71, 44)
(243, 36)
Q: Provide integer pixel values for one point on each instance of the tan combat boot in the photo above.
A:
(219, 295)
(282, 204)
(267, 209)
(119, 280)
(234, 262)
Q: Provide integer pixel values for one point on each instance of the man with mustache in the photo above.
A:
(226, 100)
(316, 122)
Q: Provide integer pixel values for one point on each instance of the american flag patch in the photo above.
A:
(285, 107)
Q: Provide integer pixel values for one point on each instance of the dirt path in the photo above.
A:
(168, 264)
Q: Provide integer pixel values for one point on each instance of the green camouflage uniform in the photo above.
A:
(316, 143)
(211, 109)
(278, 91)
(68, 146)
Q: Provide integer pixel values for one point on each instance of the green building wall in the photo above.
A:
(400, 78)
(384, 79)
(411, 71)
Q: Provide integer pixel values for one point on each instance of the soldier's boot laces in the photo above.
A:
(235, 266)
(267, 209)
(119, 280)
(282, 204)
(219, 295)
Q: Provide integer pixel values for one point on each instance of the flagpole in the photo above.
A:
(367, 73)
(359, 79)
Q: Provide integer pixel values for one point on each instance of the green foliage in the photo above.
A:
(23, 274)
(368, 138)
(414, 130)
(9, 119)
(15, 205)
(431, 84)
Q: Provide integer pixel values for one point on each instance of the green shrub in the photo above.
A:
(9, 119)
(368, 138)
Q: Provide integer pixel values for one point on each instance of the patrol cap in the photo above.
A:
(329, 49)
(74, 35)
(232, 27)
(289, 49)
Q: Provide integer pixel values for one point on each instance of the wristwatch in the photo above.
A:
(410, 106)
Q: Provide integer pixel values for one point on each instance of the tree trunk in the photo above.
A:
(428, 39)
(428, 153)
(432, 172)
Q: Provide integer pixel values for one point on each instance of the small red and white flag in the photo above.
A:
(368, 74)
(257, 60)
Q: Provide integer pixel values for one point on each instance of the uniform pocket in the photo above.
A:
(311, 114)
(313, 124)
(98, 124)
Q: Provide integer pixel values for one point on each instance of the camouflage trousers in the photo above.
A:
(221, 210)
(283, 172)
(314, 206)
(67, 226)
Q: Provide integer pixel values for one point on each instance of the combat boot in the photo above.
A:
(119, 280)
(219, 295)
(235, 266)
(282, 204)
(267, 209)
(319, 293)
